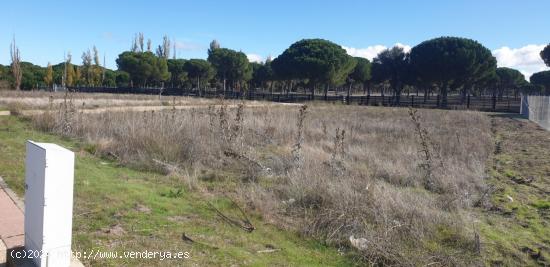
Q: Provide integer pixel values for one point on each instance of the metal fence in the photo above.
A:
(483, 103)
(537, 109)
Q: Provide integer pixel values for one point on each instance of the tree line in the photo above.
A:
(442, 66)
(29, 76)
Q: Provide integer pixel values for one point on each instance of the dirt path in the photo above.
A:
(152, 108)
(516, 227)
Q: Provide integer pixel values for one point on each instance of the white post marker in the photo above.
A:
(49, 178)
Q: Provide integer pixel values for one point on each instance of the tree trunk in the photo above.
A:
(368, 89)
(494, 99)
(326, 92)
(463, 94)
(425, 94)
(224, 85)
(349, 91)
(398, 96)
(444, 90)
(199, 85)
(291, 88)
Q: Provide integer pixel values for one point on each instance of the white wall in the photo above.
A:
(537, 109)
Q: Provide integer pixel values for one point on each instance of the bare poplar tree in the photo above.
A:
(140, 39)
(213, 46)
(104, 68)
(64, 77)
(159, 51)
(16, 65)
(149, 45)
(164, 49)
(97, 67)
(135, 44)
(70, 80)
(174, 49)
(87, 66)
(166, 44)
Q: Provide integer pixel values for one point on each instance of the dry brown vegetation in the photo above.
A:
(44, 100)
(395, 185)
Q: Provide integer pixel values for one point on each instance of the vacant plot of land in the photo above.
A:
(397, 183)
(391, 186)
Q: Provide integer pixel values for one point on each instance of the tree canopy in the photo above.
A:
(393, 66)
(510, 79)
(122, 79)
(362, 71)
(545, 55)
(230, 64)
(199, 69)
(316, 60)
(542, 78)
(319, 61)
(179, 75)
(48, 78)
(32, 75)
(144, 68)
(262, 73)
(452, 62)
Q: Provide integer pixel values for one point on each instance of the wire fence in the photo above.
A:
(537, 109)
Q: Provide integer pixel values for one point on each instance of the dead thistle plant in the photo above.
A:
(211, 117)
(338, 147)
(296, 149)
(425, 151)
(336, 162)
(237, 127)
(173, 108)
(223, 122)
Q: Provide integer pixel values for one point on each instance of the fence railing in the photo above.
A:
(537, 109)
(482, 103)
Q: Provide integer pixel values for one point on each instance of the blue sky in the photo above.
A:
(514, 30)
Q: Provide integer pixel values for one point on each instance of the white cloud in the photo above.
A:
(405, 47)
(526, 59)
(255, 58)
(372, 51)
(188, 46)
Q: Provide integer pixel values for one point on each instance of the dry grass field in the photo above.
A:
(391, 186)
(396, 184)
(26, 100)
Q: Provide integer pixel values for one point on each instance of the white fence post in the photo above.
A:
(49, 177)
